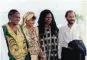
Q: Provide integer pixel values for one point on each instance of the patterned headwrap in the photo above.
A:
(27, 16)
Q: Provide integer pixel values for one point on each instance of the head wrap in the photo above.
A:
(27, 16)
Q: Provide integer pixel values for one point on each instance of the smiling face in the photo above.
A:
(48, 19)
(71, 18)
(30, 22)
(15, 18)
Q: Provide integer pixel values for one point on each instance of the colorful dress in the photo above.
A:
(32, 39)
(17, 47)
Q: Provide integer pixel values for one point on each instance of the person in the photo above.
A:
(48, 35)
(15, 39)
(67, 34)
(32, 35)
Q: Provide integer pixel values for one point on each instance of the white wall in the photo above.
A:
(58, 7)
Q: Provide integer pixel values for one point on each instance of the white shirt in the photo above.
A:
(3, 46)
(67, 34)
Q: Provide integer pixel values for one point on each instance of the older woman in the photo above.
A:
(31, 34)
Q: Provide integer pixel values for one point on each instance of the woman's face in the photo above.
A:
(48, 18)
(30, 23)
(15, 18)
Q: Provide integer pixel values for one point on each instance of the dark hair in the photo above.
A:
(69, 11)
(41, 23)
(11, 12)
(34, 17)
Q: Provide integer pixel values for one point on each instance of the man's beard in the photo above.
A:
(71, 21)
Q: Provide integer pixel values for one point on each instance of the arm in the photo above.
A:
(59, 45)
(41, 53)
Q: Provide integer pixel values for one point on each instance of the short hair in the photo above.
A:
(66, 14)
(11, 12)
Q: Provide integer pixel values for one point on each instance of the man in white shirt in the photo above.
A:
(68, 33)
(3, 46)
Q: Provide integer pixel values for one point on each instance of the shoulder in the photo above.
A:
(37, 30)
(77, 26)
(4, 25)
(4, 28)
(63, 27)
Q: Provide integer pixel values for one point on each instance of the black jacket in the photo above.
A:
(78, 46)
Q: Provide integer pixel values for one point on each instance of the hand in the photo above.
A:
(43, 58)
(59, 59)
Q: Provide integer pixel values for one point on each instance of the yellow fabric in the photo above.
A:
(17, 46)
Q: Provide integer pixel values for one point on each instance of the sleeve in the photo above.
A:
(60, 42)
(3, 47)
(37, 32)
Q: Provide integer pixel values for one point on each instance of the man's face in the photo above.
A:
(15, 18)
(71, 18)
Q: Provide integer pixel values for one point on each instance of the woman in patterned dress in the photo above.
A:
(31, 34)
(48, 33)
